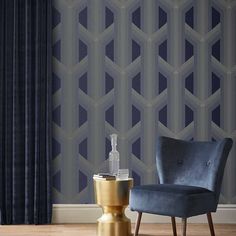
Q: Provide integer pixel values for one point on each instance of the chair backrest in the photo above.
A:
(192, 163)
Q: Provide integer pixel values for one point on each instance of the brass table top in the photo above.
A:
(112, 192)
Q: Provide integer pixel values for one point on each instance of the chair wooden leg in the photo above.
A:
(173, 226)
(184, 226)
(211, 226)
(137, 223)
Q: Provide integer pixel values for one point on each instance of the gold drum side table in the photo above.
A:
(113, 197)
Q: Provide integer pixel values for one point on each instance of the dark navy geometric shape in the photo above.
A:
(189, 17)
(216, 115)
(215, 50)
(189, 83)
(109, 83)
(135, 50)
(83, 17)
(56, 50)
(215, 17)
(83, 83)
(56, 148)
(162, 82)
(56, 17)
(109, 115)
(82, 115)
(188, 50)
(56, 181)
(82, 50)
(83, 181)
(136, 177)
(215, 83)
(83, 148)
(110, 50)
(136, 148)
(109, 17)
(135, 115)
(136, 17)
(163, 115)
(107, 148)
(136, 83)
(56, 83)
(188, 115)
(163, 50)
(162, 17)
(56, 115)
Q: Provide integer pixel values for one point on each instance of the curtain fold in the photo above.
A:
(25, 111)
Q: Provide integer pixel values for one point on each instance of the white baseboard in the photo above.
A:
(89, 213)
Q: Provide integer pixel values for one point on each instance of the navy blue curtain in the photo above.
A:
(25, 112)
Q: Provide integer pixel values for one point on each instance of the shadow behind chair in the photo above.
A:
(190, 175)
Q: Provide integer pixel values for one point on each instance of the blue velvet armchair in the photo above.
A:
(190, 176)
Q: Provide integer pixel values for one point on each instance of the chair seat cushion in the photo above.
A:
(172, 200)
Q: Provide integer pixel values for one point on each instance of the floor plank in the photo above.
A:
(90, 230)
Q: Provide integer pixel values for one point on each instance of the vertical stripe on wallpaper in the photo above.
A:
(139, 69)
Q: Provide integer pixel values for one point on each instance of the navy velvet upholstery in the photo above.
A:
(190, 176)
(173, 200)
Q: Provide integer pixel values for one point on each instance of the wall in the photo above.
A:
(140, 69)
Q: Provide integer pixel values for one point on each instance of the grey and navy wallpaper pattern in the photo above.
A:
(139, 68)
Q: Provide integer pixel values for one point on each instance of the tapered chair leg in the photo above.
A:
(173, 226)
(137, 224)
(211, 226)
(184, 226)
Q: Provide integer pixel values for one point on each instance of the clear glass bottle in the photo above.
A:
(114, 156)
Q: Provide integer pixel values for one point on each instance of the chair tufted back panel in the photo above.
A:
(192, 163)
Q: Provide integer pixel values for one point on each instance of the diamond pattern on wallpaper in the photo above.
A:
(139, 69)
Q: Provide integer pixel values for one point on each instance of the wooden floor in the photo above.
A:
(90, 230)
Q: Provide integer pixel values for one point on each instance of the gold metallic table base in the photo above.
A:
(113, 197)
(113, 222)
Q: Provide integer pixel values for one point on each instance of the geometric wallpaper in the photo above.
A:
(140, 69)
